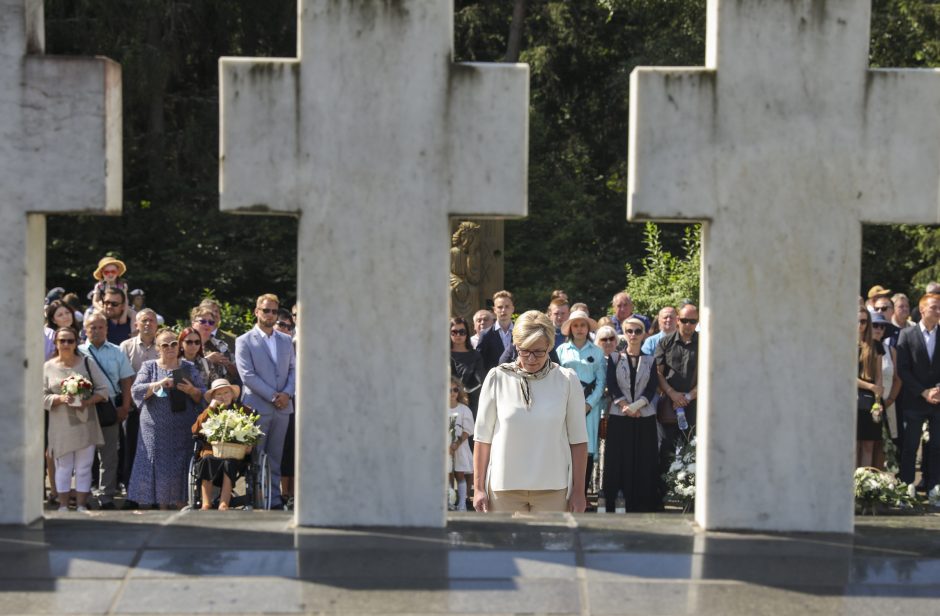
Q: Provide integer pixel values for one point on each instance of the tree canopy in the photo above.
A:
(176, 242)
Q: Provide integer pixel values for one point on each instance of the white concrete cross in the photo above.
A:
(785, 143)
(373, 136)
(60, 150)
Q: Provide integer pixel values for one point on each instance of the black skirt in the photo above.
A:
(631, 463)
(214, 469)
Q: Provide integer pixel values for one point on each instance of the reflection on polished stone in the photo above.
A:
(170, 562)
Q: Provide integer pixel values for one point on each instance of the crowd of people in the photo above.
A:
(124, 397)
(550, 392)
(564, 405)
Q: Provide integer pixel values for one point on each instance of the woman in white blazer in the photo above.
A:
(530, 433)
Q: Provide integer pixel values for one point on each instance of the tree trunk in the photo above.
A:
(515, 32)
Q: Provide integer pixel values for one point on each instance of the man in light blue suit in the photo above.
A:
(265, 361)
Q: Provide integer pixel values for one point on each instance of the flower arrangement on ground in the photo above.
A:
(77, 386)
(876, 489)
(232, 425)
(680, 479)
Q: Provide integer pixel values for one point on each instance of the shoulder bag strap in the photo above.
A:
(105, 372)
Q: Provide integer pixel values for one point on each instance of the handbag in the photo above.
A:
(665, 414)
(866, 400)
(107, 412)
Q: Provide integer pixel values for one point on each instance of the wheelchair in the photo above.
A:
(256, 479)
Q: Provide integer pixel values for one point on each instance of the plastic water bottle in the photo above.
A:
(620, 505)
(601, 503)
(680, 417)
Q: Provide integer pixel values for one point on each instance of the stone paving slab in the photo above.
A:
(257, 562)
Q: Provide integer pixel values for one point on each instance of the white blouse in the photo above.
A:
(530, 447)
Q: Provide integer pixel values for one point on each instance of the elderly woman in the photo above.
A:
(205, 319)
(168, 392)
(531, 440)
(631, 464)
(587, 361)
(73, 422)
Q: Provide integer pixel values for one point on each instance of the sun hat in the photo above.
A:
(106, 261)
(878, 291)
(577, 315)
(219, 384)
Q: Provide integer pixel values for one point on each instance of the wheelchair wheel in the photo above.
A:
(193, 492)
(261, 482)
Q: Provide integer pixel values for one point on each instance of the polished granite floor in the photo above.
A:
(255, 562)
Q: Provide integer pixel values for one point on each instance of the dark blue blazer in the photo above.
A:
(915, 369)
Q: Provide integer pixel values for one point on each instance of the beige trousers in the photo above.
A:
(529, 500)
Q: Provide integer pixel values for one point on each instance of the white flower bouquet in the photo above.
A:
(878, 489)
(77, 386)
(232, 425)
(680, 478)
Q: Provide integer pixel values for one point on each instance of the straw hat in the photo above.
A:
(577, 315)
(219, 384)
(106, 261)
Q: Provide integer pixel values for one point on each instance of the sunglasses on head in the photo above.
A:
(688, 321)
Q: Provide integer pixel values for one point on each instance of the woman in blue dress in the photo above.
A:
(587, 359)
(168, 408)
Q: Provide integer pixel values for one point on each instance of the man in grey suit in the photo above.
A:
(265, 361)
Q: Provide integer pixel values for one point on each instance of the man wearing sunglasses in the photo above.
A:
(677, 366)
(265, 360)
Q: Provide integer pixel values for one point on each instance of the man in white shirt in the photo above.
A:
(482, 322)
(497, 339)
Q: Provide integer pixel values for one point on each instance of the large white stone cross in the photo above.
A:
(785, 143)
(60, 150)
(373, 136)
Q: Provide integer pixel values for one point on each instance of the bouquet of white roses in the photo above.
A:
(874, 487)
(232, 425)
(680, 478)
(77, 386)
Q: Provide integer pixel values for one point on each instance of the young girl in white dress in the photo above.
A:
(460, 459)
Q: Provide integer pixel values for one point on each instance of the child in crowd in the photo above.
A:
(109, 276)
(461, 429)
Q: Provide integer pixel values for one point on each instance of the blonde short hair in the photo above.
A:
(530, 327)
(267, 297)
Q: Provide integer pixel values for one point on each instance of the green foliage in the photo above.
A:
(667, 279)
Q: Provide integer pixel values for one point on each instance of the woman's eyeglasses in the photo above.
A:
(169, 345)
(536, 354)
(458, 332)
(66, 340)
(191, 342)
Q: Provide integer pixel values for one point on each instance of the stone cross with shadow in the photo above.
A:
(372, 136)
(785, 143)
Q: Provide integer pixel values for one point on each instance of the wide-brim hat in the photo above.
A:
(577, 315)
(106, 261)
(219, 384)
(878, 291)
(877, 317)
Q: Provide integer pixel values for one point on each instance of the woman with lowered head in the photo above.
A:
(530, 433)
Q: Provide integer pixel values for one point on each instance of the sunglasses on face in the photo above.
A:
(633, 331)
(878, 325)
(66, 340)
(169, 345)
(284, 324)
(458, 332)
(191, 342)
(610, 339)
(205, 321)
(882, 308)
(268, 310)
(112, 304)
(688, 321)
